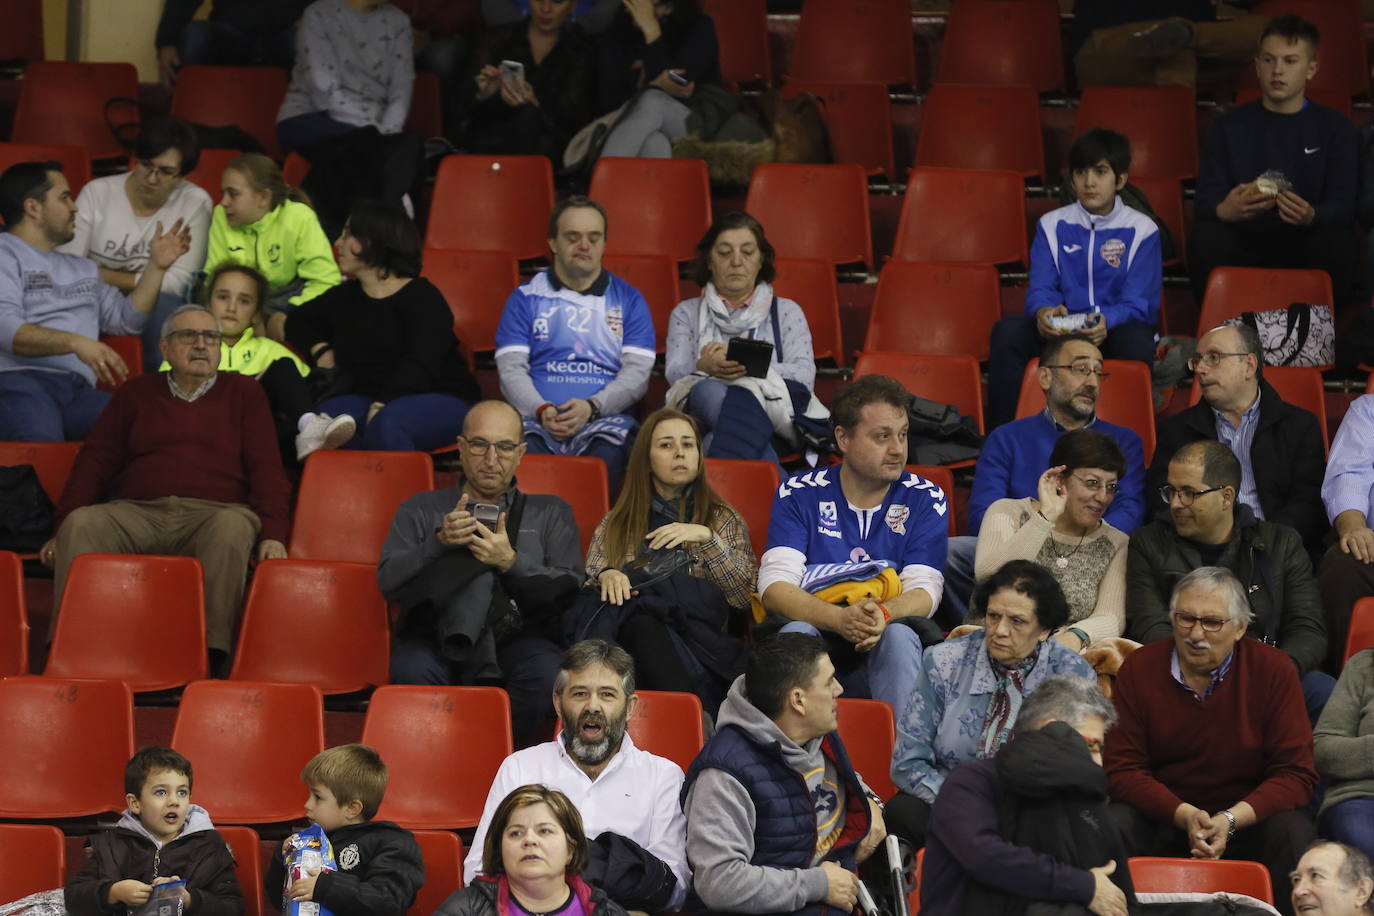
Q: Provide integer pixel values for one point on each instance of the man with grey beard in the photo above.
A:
(617, 787)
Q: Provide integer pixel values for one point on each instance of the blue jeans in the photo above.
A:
(412, 422)
(217, 43)
(703, 405)
(616, 457)
(958, 593)
(1350, 822)
(890, 672)
(37, 405)
(1316, 690)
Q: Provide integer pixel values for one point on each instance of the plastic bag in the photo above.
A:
(165, 900)
(307, 852)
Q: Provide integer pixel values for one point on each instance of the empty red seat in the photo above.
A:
(1234, 290)
(869, 733)
(111, 602)
(492, 203)
(250, 741)
(1126, 398)
(1003, 43)
(981, 127)
(669, 725)
(810, 282)
(348, 498)
(963, 215)
(243, 97)
(578, 479)
(934, 308)
(655, 276)
(844, 41)
(1166, 199)
(245, 844)
(69, 741)
(75, 161)
(63, 102)
(742, 32)
(476, 285)
(653, 206)
(946, 379)
(1361, 633)
(14, 620)
(442, 747)
(749, 486)
(442, 852)
(1161, 122)
(35, 858)
(333, 608)
(858, 117)
(787, 199)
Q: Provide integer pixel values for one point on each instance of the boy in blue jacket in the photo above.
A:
(1095, 270)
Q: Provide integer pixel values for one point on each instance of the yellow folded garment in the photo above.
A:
(882, 587)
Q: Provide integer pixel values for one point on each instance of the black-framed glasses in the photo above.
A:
(162, 171)
(1185, 495)
(1082, 370)
(480, 447)
(1186, 622)
(188, 337)
(1211, 359)
(1093, 484)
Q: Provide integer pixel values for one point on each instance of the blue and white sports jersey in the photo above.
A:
(574, 340)
(910, 527)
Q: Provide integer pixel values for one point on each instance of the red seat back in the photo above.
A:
(742, 32)
(749, 486)
(869, 733)
(934, 308)
(246, 846)
(1166, 199)
(1126, 398)
(1161, 122)
(655, 276)
(35, 858)
(1156, 875)
(476, 285)
(348, 498)
(1233, 290)
(858, 117)
(786, 197)
(209, 171)
(76, 162)
(810, 282)
(1361, 633)
(14, 618)
(578, 479)
(243, 97)
(653, 206)
(492, 203)
(669, 725)
(946, 379)
(981, 127)
(1300, 386)
(963, 215)
(844, 41)
(443, 856)
(63, 102)
(1003, 43)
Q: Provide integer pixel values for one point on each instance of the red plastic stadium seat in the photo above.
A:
(1166, 199)
(249, 741)
(944, 378)
(76, 738)
(63, 102)
(1003, 43)
(934, 308)
(14, 620)
(749, 486)
(294, 169)
(668, 724)
(869, 733)
(1300, 386)
(208, 174)
(858, 117)
(963, 215)
(942, 477)
(742, 31)
(245, 844)
(1233, 290)
(1161, 122)
(653, 206)
(35, 858)
(76, 162)
(348, 498)
(130, 348)
(492, 203)
(1126, 398)
(443, 856)
(476, 285)
(442, 746)
(426, 116)
(578, 479)
(1361, 634)
(786, 198)
(334, 608)
(112, 602)
(845, 41)
(810, 282)
(51, 460)
(1154, 875)
(243, 97)
(995, 128)
(655, 276)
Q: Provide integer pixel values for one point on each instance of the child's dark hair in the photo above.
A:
(1294, 28)
(1097, 144)
(150, 760)
(351, 772)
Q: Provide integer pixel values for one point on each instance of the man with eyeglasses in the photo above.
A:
(1208, 525)
(481, 571)
(54, 307)
(1211, 755)
(1279, 445)
(190, 457)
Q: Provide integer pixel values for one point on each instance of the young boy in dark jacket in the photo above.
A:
(161, 837)
(379, 864)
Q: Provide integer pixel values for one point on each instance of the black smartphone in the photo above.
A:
(757, 355)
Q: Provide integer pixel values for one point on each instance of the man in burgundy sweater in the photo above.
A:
(1212, 752)
(191, 461)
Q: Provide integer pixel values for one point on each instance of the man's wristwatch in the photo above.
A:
(596, 410)
(1231, 824)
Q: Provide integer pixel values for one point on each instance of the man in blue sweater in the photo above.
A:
(1017, 453)
(1278, 179)
(1094, 268)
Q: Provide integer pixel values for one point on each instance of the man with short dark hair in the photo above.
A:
(54, 307)
(575, 346)
(856, 549)
(1212, 754)
(1333, 879)
(1279, 445)
(617, 787)
(777, 818)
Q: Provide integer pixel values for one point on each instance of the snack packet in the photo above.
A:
(165, 900)
(1271, 182)
(306, 852)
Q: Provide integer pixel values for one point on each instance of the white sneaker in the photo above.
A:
(320, 430)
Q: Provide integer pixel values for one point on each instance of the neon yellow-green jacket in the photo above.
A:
(252, 355)
(285, 244)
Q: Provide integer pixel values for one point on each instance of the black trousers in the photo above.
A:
(1264, 243)
(1342, 580)
(908, 817)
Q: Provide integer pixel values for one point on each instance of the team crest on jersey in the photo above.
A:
(1112, 250)
(896, 518)
(615, 319)
(348, 857)
(829, 517)
(541, 329)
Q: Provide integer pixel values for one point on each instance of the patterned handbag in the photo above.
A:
(1300, 335)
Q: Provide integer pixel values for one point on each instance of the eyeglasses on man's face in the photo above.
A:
(480, 447)
(1185, 622)
(188, 337)
(1185, 495)
(1082, 370)
(1211, 359)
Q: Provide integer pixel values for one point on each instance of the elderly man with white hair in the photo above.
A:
(1212, 752)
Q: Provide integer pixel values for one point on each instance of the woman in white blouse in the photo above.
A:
(1064, 530)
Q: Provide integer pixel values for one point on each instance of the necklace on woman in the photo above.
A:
(1062, 561)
